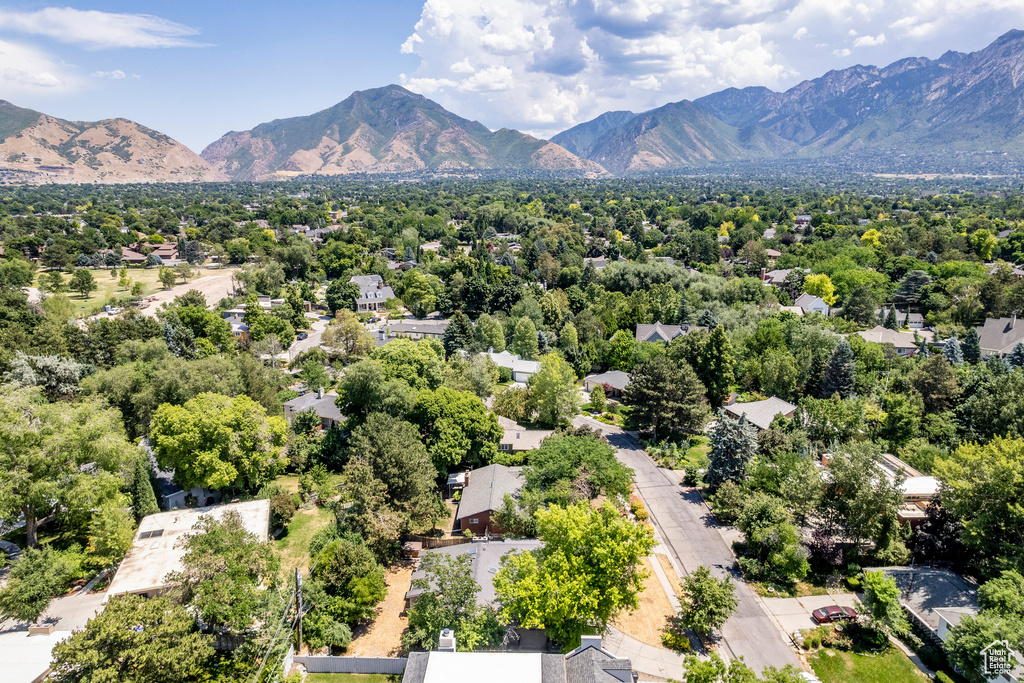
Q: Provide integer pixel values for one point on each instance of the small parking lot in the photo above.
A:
(795, 613)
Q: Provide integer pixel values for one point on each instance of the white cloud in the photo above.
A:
(542, 65)
(115, 75)
(870, 41)
(24, 69)
(98, 30)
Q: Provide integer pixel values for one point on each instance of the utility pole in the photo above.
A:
(298, 604)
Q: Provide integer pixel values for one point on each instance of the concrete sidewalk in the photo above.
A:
(646, 659)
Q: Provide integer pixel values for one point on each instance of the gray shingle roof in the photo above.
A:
(659, 332)
(487, 488)
(761, 413)
(1000, 335)
(486, 556)
(616, 379)
(593, 666)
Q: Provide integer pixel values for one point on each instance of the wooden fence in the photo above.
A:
(352, 665)
(437, 541)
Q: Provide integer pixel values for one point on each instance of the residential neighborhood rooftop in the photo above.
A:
(761, 413)
(156, 551)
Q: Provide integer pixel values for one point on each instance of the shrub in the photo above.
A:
(282, 509)
(728, 502)
(504, 375)
(457, 496)
(675, 640)
(268, 491)
(638, 510)
(468, 533)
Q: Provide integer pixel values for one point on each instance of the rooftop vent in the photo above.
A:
(446, 642)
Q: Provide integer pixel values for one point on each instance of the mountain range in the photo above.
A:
(954, 105)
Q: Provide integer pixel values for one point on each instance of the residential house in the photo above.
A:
(998, 336)
(905, 342)
(663, 333)
(935, 599)
(761, 413)
(588, 663)
(322, 402)
(919, 490)
(614, 382)
(772, 253)
(156, 550)
(485, 556)
(809, 303)
(598, 262)
(802, 221)
(914, 321)
(373, 292)
(132, 257)
(484, 492)
(416, 329)
(26, 656)
(517, 439)
(522, 370)
(768, 234)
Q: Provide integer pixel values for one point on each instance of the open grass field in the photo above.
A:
(293, 546)
(108, 286)
(892, 666)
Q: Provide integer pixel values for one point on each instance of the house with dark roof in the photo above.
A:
(614, 382)
(589, 663)
(998, 336)
(484, 492)
(761, 413)
(663, 333)
(935, 599)
(373, 292)
(320, 401)
(417, 329)
(485, 556)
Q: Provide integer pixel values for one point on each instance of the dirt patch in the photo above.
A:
(383, 637)
(670, 572)
(648, 621)
(214, 287)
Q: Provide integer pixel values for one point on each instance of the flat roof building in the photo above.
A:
(156, 551)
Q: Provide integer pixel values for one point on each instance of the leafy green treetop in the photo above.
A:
(733, 444)
(708, 602)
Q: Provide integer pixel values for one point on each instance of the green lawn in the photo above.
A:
(293, 546)
(892, 666)
(350, 678)
(107, 286)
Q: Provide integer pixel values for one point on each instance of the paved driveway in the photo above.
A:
(690, 533)
(794, 614)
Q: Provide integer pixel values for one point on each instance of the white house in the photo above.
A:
(373, 293)
(522, 370)
(812, 304)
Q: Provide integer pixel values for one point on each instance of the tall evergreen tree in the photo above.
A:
(922, 349)
(1016, 357)
(733, 444)
(891, 321)
(458, 334)
(707, 319)
(952, 351)
(715, 367)
(143, 499)
(839, 372)
(971, 347)
(665, 397)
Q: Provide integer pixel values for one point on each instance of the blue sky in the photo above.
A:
(195, 70)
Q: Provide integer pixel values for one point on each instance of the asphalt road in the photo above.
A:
(690, 532)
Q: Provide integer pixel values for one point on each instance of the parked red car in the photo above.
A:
(834, 613)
